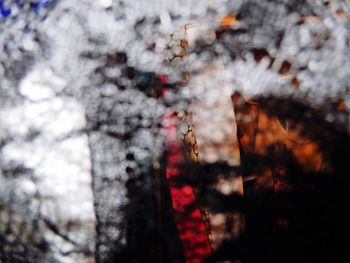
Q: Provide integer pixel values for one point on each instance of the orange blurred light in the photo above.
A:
(228, 21)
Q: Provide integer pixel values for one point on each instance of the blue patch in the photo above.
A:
(143, 77)
(35, 6)
(4, 12)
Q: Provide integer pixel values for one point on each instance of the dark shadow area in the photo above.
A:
(304, 220)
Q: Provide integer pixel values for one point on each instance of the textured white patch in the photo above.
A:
(213, 116)
(40, 84)
(28, 187)
(48, 140)
(106, 3)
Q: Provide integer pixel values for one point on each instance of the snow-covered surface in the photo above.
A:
(47, 139)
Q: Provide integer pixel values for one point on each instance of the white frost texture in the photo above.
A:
(77, 119)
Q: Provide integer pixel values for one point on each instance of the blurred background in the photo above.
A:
(174, 131)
